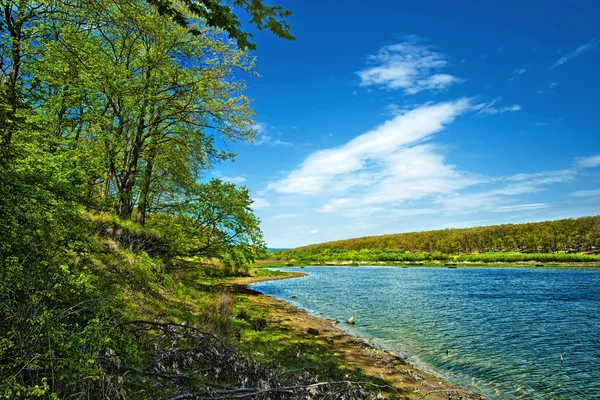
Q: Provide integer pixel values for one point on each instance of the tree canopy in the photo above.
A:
(566, 235)
(218, 15)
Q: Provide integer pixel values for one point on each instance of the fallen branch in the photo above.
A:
(296, 370)
(238, 393)
(165, 376)
(174, 324)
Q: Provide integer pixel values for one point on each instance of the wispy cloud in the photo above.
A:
(260, 128)
(592, 45)
(491, 108)
(518, 71)
(233, 179)
(542, 178)
(548, 89)
(264, 138)
(287, 216)
(410, 66)
(586, 193)
(372, 158)
(260, 203)
(506, 190)
(314, 232)
(589, 162)
(395, 169)
(522, 207)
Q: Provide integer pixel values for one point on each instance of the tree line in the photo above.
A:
(565, 235)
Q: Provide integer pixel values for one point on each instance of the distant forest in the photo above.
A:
(580, 235)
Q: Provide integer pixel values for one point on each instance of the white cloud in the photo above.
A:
(282, 143)
(548, 89)
(520, 71)
(287, 216)
(589, 162)
(584, 48)
(410, 66)
(264, 138)
(543, 178)
(586, 193)
(314, 231)
(491, 108)
(233, 179)
(395, 172)
(371, 157)
(260, 127)
(260, 203)
(496, 199)
(523, 207)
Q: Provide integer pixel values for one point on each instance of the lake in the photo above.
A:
(510, 333)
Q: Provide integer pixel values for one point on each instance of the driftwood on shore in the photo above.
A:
(182, 352)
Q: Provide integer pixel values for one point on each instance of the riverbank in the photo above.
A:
(409, 381)
(430, 264)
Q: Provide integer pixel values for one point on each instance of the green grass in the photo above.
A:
(192, 296)
(357, 257)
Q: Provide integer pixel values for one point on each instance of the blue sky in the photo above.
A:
(407, 116)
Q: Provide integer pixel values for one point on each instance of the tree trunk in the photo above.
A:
(14, 25)
(145, 190)
(142, 207)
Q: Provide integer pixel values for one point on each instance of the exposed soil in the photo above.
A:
(355, 352)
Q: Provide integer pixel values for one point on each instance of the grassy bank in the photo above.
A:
(139, 327)
(117, 316)
(282, 341)
(341, 256)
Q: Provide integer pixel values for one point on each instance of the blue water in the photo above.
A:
(498, 331)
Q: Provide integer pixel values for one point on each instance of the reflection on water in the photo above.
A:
(511, 333)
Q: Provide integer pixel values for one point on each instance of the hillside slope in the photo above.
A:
(565, 235)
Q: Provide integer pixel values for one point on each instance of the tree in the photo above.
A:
(142, 88)
(223, 222)
(222, 16)
(18, 20)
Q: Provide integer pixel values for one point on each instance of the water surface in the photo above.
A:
(511, 333)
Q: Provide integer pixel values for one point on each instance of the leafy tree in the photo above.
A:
(218, 15)
(150, 102)
(18, 20)
(222, 223)
(104, 103)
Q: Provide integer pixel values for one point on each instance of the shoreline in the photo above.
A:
(434, 264)
(413, 382)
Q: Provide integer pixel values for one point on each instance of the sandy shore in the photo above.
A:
(355, 351)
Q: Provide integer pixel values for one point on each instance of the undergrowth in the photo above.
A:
(119, 319)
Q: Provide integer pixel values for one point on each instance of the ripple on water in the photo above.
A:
(502, 331)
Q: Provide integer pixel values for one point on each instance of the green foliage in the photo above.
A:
(222, 16)
(108, 107)
(129, 235)
(146, 108)
(112, 108)
(521, 257)
(222, 224)
(50, 304)
(560, 241)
